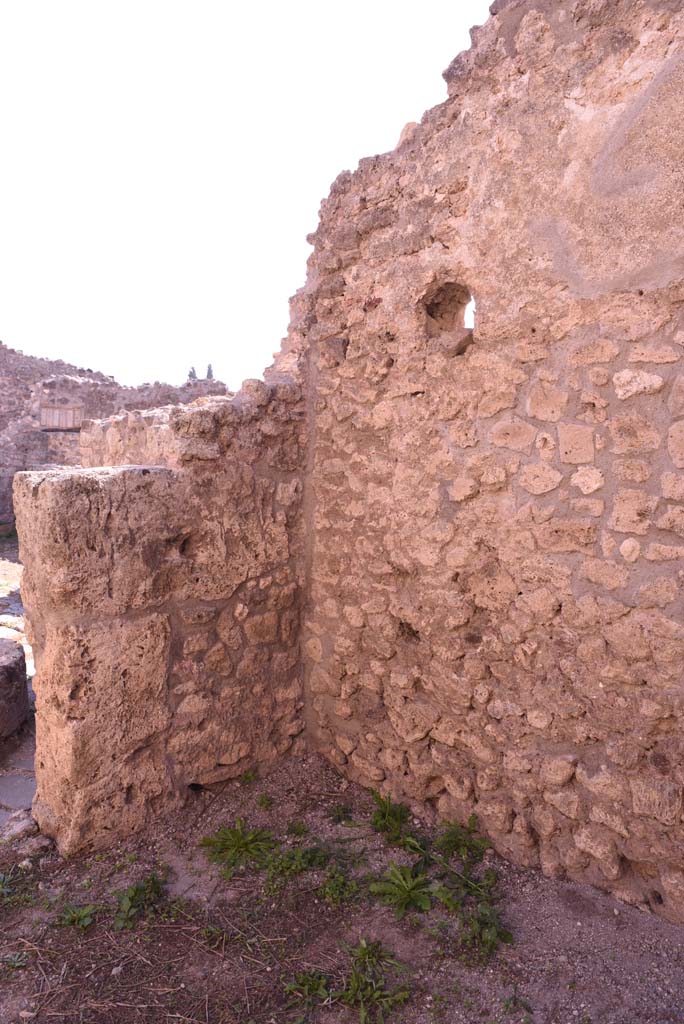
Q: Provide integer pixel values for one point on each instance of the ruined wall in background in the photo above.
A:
(163, 604)
(29, 385)
(495, 617)
(21, 443)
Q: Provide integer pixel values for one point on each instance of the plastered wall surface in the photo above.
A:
(488, 526)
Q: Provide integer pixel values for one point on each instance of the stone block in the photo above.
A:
(14, 702)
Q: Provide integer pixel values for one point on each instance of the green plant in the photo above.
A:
(14, 889)
(15, 961)
(337, 888)
(137, 900)
(297, 828)
(251, 775)
(73, 916)
(341, 814)
(265, 801)
(214, 938)
(365, 988)
(403, 890)
(238, 847)
(308, 988)
(515, 1002)
(389, 818)
(7, 890)
(282, 866)
(482, 928)
(464, 842)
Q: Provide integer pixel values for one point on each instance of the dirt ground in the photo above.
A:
(213, 950)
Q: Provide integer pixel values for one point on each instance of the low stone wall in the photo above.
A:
(164, 613)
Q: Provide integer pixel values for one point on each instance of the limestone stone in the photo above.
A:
(564, 800)
(557, 771)
(632, 511)
(632, 432)
(600, 845)
(588, 507)
(634, 471)
(664, 552)
(462, 487)
(588, 479)
(673, 887)
(14, 704)
(628, 383)
(630, 549)
(672, 519)
(653, 354)
(659, 593)
(675, 401)
(675, 443)
(657, 797)
(539, 479)
(575, 443)
(515, 434)
(600, 351)
(546, 402)
(605, 574)
(672, 485)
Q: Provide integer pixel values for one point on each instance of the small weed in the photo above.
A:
(341, 814)
(297, 828)
(13, 889)
(174, 910)
(238, 847)
(514, 1002)
(403, 890)
(365, 988)
(308, 989)
(137, 900)
(281, 867)
(214, 938)
(73, 916)
(265, 801)
(15, 961)
(251, 775)
(464, 842)
(389, 818)
(337, 888)
(7, 890)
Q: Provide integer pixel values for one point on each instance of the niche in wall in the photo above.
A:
(450, 315)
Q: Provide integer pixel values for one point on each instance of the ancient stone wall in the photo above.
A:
(491, 542)
(164, 611)
(495, 617)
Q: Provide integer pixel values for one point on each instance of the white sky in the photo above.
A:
(163, 161)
